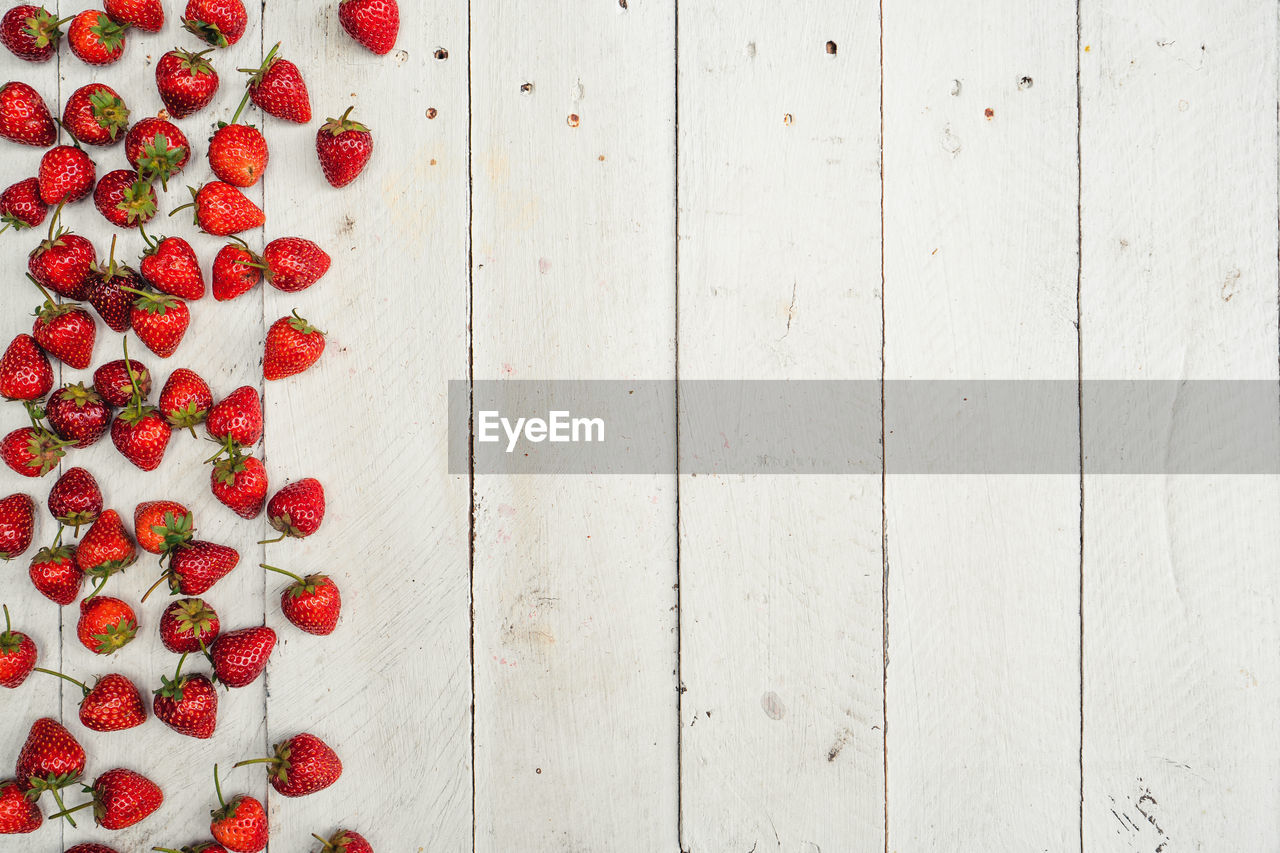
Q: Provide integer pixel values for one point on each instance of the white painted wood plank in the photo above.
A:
(781, 643)
(1179, 281)
(980, 270)
(575, 644)
(390, 689)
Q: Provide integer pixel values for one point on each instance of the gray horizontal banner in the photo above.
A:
(835, 427)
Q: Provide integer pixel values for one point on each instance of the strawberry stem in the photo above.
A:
(146, 237)
(217, 786)
(97, 589)
(279, 538)
(249, 761)
(53, 221)
(243, 103)
(177, 675)
(8, 627)
(164, 577)
(282, 572)
(68, 812)
(79, 684)
(57, 798)
(40, 286)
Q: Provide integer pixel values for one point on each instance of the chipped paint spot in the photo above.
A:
(772, 705)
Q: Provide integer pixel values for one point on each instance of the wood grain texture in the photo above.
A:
(1179, 281)
(781, 644)
(980, 176)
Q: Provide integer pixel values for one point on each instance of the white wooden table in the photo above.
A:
(817, 189)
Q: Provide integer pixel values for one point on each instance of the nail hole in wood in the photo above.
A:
(441, 53)
(526, 87)
(431, 112)
(831, 48)
(573, 120)
(622, 4)
(1026, 83)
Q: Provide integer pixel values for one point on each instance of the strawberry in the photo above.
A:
(159, 321)
(278, 89)
(32, 451)
(186, 81)
(18, 815)
(373, 23)
(221, 209)
(25, 373)
(161, 526)
(17, 655)
(297, 510)
(188, 704)
(115, 381)
(21, 206)
(146, 15)
(239, 825)
(187, 625)
(141, 435)
(344, 148)
(56, 575)
(240, 483)
(237, 417)
(66, 175)
(95, 115)
(108, 293)
(169, 265)
(24, 118)
(95, 39)
(206, 847)
(65, 331)
(234, 272)
(106, 624)
(302, 764)
(75, 500)
(51, 759)
(91, 848)
(239, 657)
(17, 525)
(185, 400)
(195, 566)
(292, 346)
(63, 262)
(292, 263)
(238, 154)
(106, 549)
(121, 798)
(157, 149)
(125, 198)
(31, 32)
(111, 705)
(221, 23)
(343, 841)
(312, 603)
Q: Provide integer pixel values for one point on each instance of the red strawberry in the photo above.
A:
(293, 264)
(17, 525)
(113, 381)
(161, 526)
(66, 331)
(206, 847)
(159, 321)
(185, 400)
(75, 500)
(344, 148)
(187, 624)
(66, 175)
(238, 154)
(111, 705)
(95, 115)
(63, 262)
(106, 624)
(121, 798)
(32, 451)
(293, 345)
(186, 81)
(239, 825)
(50, 759)
(24, 117)
(188, 704)
(343, 841)
(17, 655)
(21, 206)
(108, 294)
(18, 815)
(169, 265)
(237, 417)
(297, 510)
(157, 149)
(221, 23)
(194, 567)
(141, 435)
(373, 23)
(95, 39)
(234, 272)
(106, 548)
(146, 15)
(278, 89)
(221, 209)
(31, 32)
(240, 483)
(91, 848)
(302, 764)
(239, 657)
(56, 575)
(312, 603)
(25, 373)
(125, 198)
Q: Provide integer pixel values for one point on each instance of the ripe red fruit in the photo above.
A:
(160, 321)
(292, 346)
(234, 272)
(56, 575)
(79, 415)
(17, 655)
(21, 206)
(195, 566)
(25, 373)
(146, 15)
(188, 704)
(239, 482)
(239, 657)
(91, 848)
(221, 23)
(297, 510)
(30, 32)
(67, 332)
(17, 525)
(343, 841)
(107, 291)
(157, 149)
(24, 118)
(75, 500)
(95, 115)
(18, 815)
(63, 262)
(237, 417)
(111, 705)
(106, 548)
(186, 81)
(50, 759)
(278, 89)
(292, 263)
(141, 435)
(188, 623)
(373, 23)
(221, 210)
(161, 526)
(169, 265)
(185, 400)
(106, 624)
(32, 451)
(312, 603)
(66, 175)
(121, 798)
(115, 380)
(125, 198)
(95, 39)
(344, 148)
(238, 154)
(302, 765)
(239, 825)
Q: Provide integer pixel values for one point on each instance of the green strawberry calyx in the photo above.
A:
(211, 33)
(161, 161)
(256, 74)
(44, 28)
(339, 126)
(109, 32)
(109, 112)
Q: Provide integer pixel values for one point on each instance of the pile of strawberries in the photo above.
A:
(152, 300)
